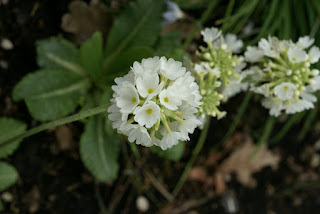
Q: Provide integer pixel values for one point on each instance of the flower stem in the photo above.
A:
(312, 115)
(294, 119)
(199, 24)
(195, 153)
(236, 120)
(72, 118)
(265, 136)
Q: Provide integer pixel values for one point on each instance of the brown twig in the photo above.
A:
(193, 203)
(158, 185)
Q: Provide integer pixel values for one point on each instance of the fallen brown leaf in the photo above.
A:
(239, 162)
(197, 173)
(83, 20)
(219, 183)
(32, 199)
(64, 138)
(213, 158)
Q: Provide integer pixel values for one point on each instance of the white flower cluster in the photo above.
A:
(283, 75)
(220, 72)
(155, 103)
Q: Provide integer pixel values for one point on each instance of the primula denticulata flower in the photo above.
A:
(219, 73)
(156, 103)
(283, 74)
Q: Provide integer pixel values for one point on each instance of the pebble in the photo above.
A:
(142, 204)
(6, 44)
(3, 64)
(4, 2)
(230, 203)
(7, 196)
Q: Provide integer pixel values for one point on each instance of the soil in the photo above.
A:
(53, 180)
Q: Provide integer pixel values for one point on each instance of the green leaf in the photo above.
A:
(51, 93)
(91, 55)
(138, 25)
(174, 153)
(99, 151)
(58, 53)
(121, 65)
(168, 42)
(8, 175)
(192, 4)
(1, 206)
(178, 54)
(10, 127)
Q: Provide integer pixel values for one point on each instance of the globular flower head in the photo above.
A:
(157, 96)
(283, 74)
(220, 71)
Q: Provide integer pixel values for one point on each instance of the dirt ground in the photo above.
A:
(53, 179)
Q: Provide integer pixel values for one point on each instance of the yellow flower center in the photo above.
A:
(134, 99)
(166, 99)
(150, 91)
(149, 111)
(294, 59)
(286, 87)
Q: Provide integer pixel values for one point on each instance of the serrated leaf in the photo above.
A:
(121, 65)
(51, 93)
(8, 175)
(174, 153)
(138, 25)
(58, 53)
(91, 55)
(99, 151)
(168, 42)
(10, 127)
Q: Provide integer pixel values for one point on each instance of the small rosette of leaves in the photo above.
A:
(283, 73)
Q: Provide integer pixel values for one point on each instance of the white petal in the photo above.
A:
(314, 54)
(285, 90)
(296, 54)
(305, 42)
(148, 114)
(210, 34)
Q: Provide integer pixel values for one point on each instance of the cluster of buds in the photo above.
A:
(156, 103)
(282, 73)
(220, 71)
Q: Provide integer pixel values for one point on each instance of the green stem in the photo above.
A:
(135, 150)
(301, 186)
(236, 120)
(265, 136)
(101, 204)
(199, 24)
(72, 118)
(307, 123)
(287, 126)
(227, 15)
(195, 153)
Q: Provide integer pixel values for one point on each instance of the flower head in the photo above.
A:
(284, 75)
(156, 94)
(219, 72)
